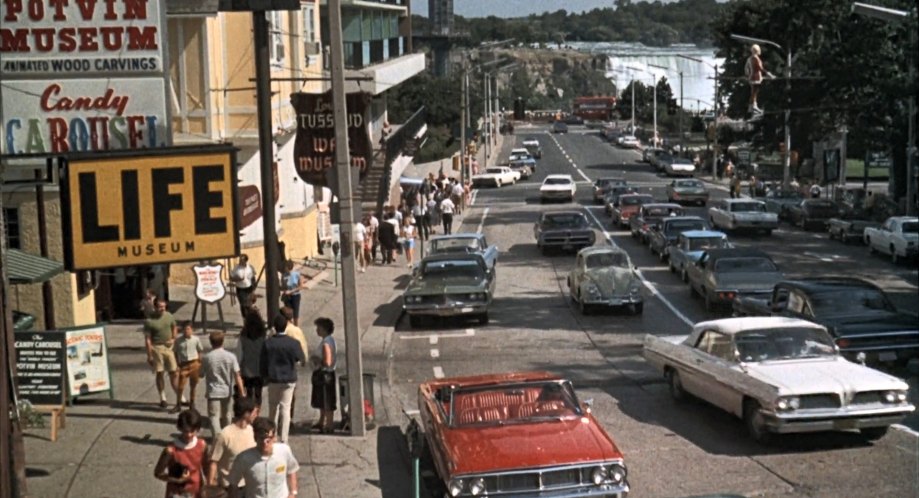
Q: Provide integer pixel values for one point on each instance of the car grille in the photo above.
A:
(538, 480)
(574, 238)
(816, 401)
(868, 398)
(448, 299)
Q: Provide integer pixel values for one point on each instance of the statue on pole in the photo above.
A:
(754, 72)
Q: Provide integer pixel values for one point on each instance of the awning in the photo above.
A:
(24, 268)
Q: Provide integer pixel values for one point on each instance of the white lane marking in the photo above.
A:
(434, 339)
(645, 281)
(467, 333)
(438, 372)
(435, 353)
(475, 193)
(482, 223)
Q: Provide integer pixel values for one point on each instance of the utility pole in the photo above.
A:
(463, 126)
(486, 104)
(682, 149)
(346, 215)
(12, 448)
(632, 84)
(266, 162)
(715, 141)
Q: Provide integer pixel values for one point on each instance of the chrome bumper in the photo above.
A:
(836, 419)
(614, 301)
(445, 309)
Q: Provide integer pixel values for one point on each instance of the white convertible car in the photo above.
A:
(496, 176)
(780, 375)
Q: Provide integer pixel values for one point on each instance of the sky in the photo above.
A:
(513, 8)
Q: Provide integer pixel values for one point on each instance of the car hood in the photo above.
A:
(451, 285)
(525, 446)
(487, 175)
(681, 166)
(755, 215)
(689, 190)
(821, 375)
(612, 281)
(546, 188)
(747, 281)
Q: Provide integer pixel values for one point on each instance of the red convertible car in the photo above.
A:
(516, 435)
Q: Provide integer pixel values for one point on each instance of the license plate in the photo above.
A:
(887, 356)
(466, 310)
(846, 424)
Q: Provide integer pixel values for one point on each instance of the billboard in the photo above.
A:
(165, 206)
(314, 147)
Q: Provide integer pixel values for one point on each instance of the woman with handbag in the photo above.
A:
(323, 380)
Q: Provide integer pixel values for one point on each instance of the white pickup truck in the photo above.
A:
(898, 237)
(496, 176)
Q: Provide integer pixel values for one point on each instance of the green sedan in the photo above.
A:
(450, 285)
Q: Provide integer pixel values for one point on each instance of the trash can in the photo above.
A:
(345, 401)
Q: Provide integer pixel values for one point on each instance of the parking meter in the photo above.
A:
(336, 248)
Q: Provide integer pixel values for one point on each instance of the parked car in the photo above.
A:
(661, 160)
(604, 276)
(898, 237)
(812, 213)
(558, 187)
(496, 176)
(687, 191)
(665, 233)
(857, 313)
(559, 127)
(533, 147)
(611, 198)
(629, 142)
(778, 201)
(722, 275)
(627, 206)
(779, 375)
(679, 166)
(648, 153)
(602, 185)
(690, 246)
(565, 230)
(845, 229)
(517, 434)
(450, 285)
(648, 215)
(464, 243)
(525, 167)
(742, 214)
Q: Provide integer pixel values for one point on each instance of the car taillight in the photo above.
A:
(843, 343)
(676, 195)
(726, 295)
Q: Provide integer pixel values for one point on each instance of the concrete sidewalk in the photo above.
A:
(110, 446)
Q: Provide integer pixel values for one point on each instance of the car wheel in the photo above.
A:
(874, 433)
(483, 318)
(871, 249)
(583, 307)
(636, 308)
(756, 425)
(893, 255)
(498, 183)
(661, 255)
(670, 265)
(414, 321)
(676, 385)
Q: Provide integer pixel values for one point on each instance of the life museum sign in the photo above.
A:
(82, 76)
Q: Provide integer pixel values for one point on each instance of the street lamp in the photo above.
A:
(786, 173)
(901, 16)
(655, 99)
(714, 106)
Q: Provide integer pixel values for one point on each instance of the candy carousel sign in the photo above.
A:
(209, 285)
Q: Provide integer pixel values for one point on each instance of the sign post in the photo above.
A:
(209, 289)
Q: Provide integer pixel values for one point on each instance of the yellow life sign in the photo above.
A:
(165, 206)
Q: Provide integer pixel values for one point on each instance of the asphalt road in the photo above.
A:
(671, 449)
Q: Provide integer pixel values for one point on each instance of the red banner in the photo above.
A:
(314, 147)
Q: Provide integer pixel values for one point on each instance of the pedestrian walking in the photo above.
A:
(249, 353)
(360, 236)
(408, 238)
(457, 195)
(181, 463)
(292, 286)
(388, 237)
(446, 211)
(221, 371)
(735, 187)
(234, 439)
(324, 362)
(243, 276)
(160, 332)
(188, 351)
(374, 234)
(280, 355)
(295, 333)
(269, 469)
(433, 214)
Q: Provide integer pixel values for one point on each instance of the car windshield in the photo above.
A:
(675, 227)
(557, 181)
(607, 259)
(609, 182)
(851, 301)
(681, 160)
(494, 170)
(658, 212)
(636, 200)
(743, 207)
(564, 221)
(513, 404)
(703, 243)
(783, 344)
(452, 269)
(689, 184)
(911, 227)
(744, 265)
(455, 245)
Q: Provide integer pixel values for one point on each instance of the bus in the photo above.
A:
(598, 108)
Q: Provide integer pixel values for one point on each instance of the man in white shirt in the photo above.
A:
(446, 212)
(243, 275)
(456, 195)
(373, 231)
(270, 469)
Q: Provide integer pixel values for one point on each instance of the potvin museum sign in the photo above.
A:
(82, 76)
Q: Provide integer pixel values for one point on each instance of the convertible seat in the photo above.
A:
(479, 415)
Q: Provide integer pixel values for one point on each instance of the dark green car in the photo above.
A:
(450, 285)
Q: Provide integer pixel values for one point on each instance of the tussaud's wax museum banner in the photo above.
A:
(164, 206)
(314, 147)
(81, 76)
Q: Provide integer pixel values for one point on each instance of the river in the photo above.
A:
(698, 83)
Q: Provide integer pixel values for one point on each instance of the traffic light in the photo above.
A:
(671, 107)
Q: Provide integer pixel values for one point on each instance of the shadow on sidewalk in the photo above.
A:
(395, 473)
(146, 440)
